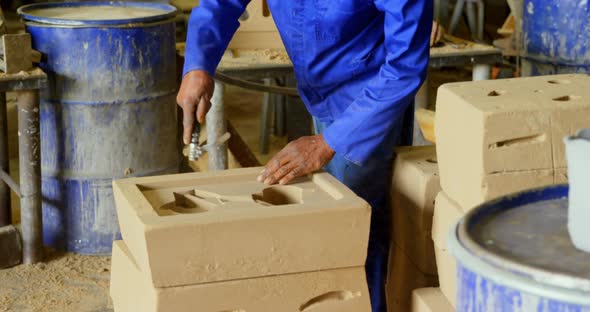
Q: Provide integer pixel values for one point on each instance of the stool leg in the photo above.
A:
(266, 119)
(443, 12)
(456, 15)
(471, 19)
(30, 175)
(480, 19)
(5, 213)
(436, 15)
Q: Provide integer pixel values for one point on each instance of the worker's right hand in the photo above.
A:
(194, 96)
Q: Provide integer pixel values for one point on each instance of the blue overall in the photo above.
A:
(358, 65)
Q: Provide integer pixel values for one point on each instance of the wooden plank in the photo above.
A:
(240, 149)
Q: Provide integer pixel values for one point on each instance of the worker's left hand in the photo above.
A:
(300, 157)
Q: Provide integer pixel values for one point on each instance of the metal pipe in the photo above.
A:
(471, 19)
(442, 12)
(456, 15)
(481, 72)
(5, 213)
(480, 19)
(30, 175)
(216, 128)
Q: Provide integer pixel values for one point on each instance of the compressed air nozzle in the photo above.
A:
(194, 149)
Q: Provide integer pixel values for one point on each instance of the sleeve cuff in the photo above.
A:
(190, 68)
(330, 135)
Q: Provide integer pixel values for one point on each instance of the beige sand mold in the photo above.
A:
(205, 227)
(340, 290)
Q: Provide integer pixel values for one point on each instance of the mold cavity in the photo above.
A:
(245, 16)
(280, 195)
(497, 93)
(190, 203)
(559, 81)
(265, 9)
(538, 91)
(329, 297)
(532, 139)
(566, 98)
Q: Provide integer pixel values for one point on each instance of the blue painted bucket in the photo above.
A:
(515, 254)
(109, 111)
(556, 37)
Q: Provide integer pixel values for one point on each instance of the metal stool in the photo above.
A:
(475, 26)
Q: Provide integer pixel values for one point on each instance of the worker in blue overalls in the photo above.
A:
(358, 64)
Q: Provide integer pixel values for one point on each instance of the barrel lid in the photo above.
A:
(96, 13)
(526, 234)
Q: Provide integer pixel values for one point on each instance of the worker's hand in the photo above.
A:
(194, 96)
(300, 157)
(437, 33)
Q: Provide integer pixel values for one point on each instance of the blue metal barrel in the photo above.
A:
(109, 111)
(556, 37)
(515, 254)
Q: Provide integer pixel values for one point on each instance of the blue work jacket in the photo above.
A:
(358, 63)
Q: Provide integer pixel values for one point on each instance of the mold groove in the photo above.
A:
(531, 139)
(567, 98)
(279, 195)
(496, 92)
(329, 297)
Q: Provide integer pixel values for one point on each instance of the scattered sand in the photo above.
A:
(65, 283)
(276, 55)
(248, 58)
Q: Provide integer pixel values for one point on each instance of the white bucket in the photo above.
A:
(578, 161)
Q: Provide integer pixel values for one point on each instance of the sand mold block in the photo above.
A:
(338, 290)
(506, 127)
(204, 227)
